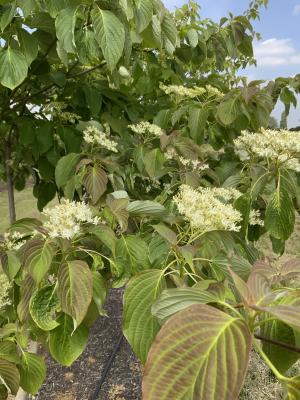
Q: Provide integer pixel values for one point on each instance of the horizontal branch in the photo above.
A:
(278, 343)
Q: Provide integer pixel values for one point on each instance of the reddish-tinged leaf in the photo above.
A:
(200, 353)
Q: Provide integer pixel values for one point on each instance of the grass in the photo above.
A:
(260, 384)
(25, 207)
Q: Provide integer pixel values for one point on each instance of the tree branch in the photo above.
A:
(278, 343)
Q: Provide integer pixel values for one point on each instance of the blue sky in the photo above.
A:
(278, 53)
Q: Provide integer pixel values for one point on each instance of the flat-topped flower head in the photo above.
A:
(95, 136)
(280, 147)
(181, 92)
(146, 127)
(208, 209)
(11, 241)
(65, 220)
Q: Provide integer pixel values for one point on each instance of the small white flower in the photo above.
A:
(181, 92)
(255, 218)
(4, 291)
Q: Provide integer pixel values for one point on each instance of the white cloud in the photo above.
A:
(276, 52)
(296, 10)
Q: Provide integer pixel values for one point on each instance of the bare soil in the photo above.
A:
(79, 382)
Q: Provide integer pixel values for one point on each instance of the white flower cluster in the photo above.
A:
(213, 91)
(194, 165)
(93, 135)
(65, 219)
(4, 291)
(282, 147)
(12, 241)
(204, 209)
(182, 92)
(255, 218)
(145, 127)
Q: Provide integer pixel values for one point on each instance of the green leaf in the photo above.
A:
(193, 37)
(65, 168)
(197, 121)
(290, 315)
(110, 35)
(280, 215)
(99, 292)
(13, 68)
(42, 307)
(228, 111)
(95, 181)
(106, 235)
(10, 375)
(65, 344)
(9, 351)
(25, 226)
(200, 353)
(146, 208)
(139, 326)
(154, 162)
(28, 45)
(7, 14)
(11, 263)
(38, 258)
(169, 33)
(167, 233)
(32, 372)
(133, 251)
(75, 289)
(144, 14)
(118, 207)
(65, 25)
(173, 300)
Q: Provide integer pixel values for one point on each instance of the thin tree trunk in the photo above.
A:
(10, 185)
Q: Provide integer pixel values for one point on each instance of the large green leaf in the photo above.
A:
(32, 372)
(9, 351)
(99, 291)
(95, 182)
(65, 168)
(139, 326)
(146, 208)
(200, 353)
(65, 25)
(10, 375)
(154, 161)
(38, 257)
(144, 14)
(280, 215)
(110, 35)
(28, 44)
(43, 305)
(27, 289)
(197, 121)
(132, 251)
(173, 300)
(11, 263)
(228, 111)
(13, 68)
(65, 344)
(75, 289)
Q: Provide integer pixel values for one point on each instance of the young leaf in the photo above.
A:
(200, 353)
(13, 68)
(10, 375)
(65, 344)
(110, 35)
(38, 257)
(32, 372)
(139, 326)
(42, 307)
(75, 289)
(280, 215)
(95, 182)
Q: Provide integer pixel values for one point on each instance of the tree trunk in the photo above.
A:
(10, 185)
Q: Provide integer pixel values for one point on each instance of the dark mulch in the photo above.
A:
(79, 382)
